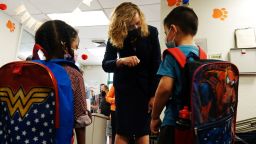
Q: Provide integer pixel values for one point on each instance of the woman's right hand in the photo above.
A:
(130, 61)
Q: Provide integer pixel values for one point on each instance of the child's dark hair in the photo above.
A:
(183, 17)
(55, 37)
(106, 87)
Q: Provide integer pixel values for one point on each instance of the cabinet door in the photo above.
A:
(244, 59)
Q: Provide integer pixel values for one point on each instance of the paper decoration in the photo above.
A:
(84, 56)
(221, 14)
(185, 2)
(172, 3)
(3, 6)
(10, 25)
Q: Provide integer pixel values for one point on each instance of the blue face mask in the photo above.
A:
(170, 44)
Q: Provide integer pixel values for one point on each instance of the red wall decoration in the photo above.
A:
(84, 56)
(3, 6)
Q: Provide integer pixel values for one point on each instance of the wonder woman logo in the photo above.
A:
(21, 102)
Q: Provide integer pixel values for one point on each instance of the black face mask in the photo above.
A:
(103, 93)
(133, 35)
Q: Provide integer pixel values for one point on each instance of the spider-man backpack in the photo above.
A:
(209, 99)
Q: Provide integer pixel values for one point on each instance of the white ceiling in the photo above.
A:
(39, 9)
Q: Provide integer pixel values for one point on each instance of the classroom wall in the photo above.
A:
(219, 35)
(9, 40)
(94, 76)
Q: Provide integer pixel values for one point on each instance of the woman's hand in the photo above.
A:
(130, 61)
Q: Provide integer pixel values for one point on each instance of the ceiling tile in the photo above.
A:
(94, 6)
(151, 12)
(108, 12)
(55, 6)
(93, 32)
(32, 9)
(109, 3)
(41, 17)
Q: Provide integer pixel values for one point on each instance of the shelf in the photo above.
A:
(242, 48)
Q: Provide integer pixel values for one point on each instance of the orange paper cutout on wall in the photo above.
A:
(10, 25)
(173, 2)
(221, 14)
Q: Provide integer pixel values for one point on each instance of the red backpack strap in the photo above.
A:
(181, 57)
(202, 53)
(177, 54)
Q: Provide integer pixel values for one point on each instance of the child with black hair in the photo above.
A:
(58, 40)
(180, 27)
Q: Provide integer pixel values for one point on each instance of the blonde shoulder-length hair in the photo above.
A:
(120, 19)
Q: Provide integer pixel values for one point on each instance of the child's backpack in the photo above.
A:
(36, 103)
(209, 99)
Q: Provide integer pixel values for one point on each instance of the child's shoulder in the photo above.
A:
(72, 71)
(186, 49)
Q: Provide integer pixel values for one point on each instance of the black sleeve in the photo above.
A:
(110, 57)
(155, 60)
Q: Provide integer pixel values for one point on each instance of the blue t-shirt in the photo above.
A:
(170, 67)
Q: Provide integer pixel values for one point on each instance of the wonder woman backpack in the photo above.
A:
(36, 103)
(209, 98)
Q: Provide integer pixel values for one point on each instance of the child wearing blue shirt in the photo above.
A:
(180, 27)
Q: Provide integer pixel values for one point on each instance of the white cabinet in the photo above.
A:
(96, 132)
(244, 59)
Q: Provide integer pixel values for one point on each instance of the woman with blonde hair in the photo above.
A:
(133, 54)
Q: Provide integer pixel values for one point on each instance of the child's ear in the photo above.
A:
(174, 28)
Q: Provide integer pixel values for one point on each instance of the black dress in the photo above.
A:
(134, 86)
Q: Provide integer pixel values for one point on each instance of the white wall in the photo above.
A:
(220, 38)
(94, 75)
(9, 40)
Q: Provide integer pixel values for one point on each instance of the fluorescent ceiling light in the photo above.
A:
(89, 18)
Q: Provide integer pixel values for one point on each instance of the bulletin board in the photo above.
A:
(244, 59)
